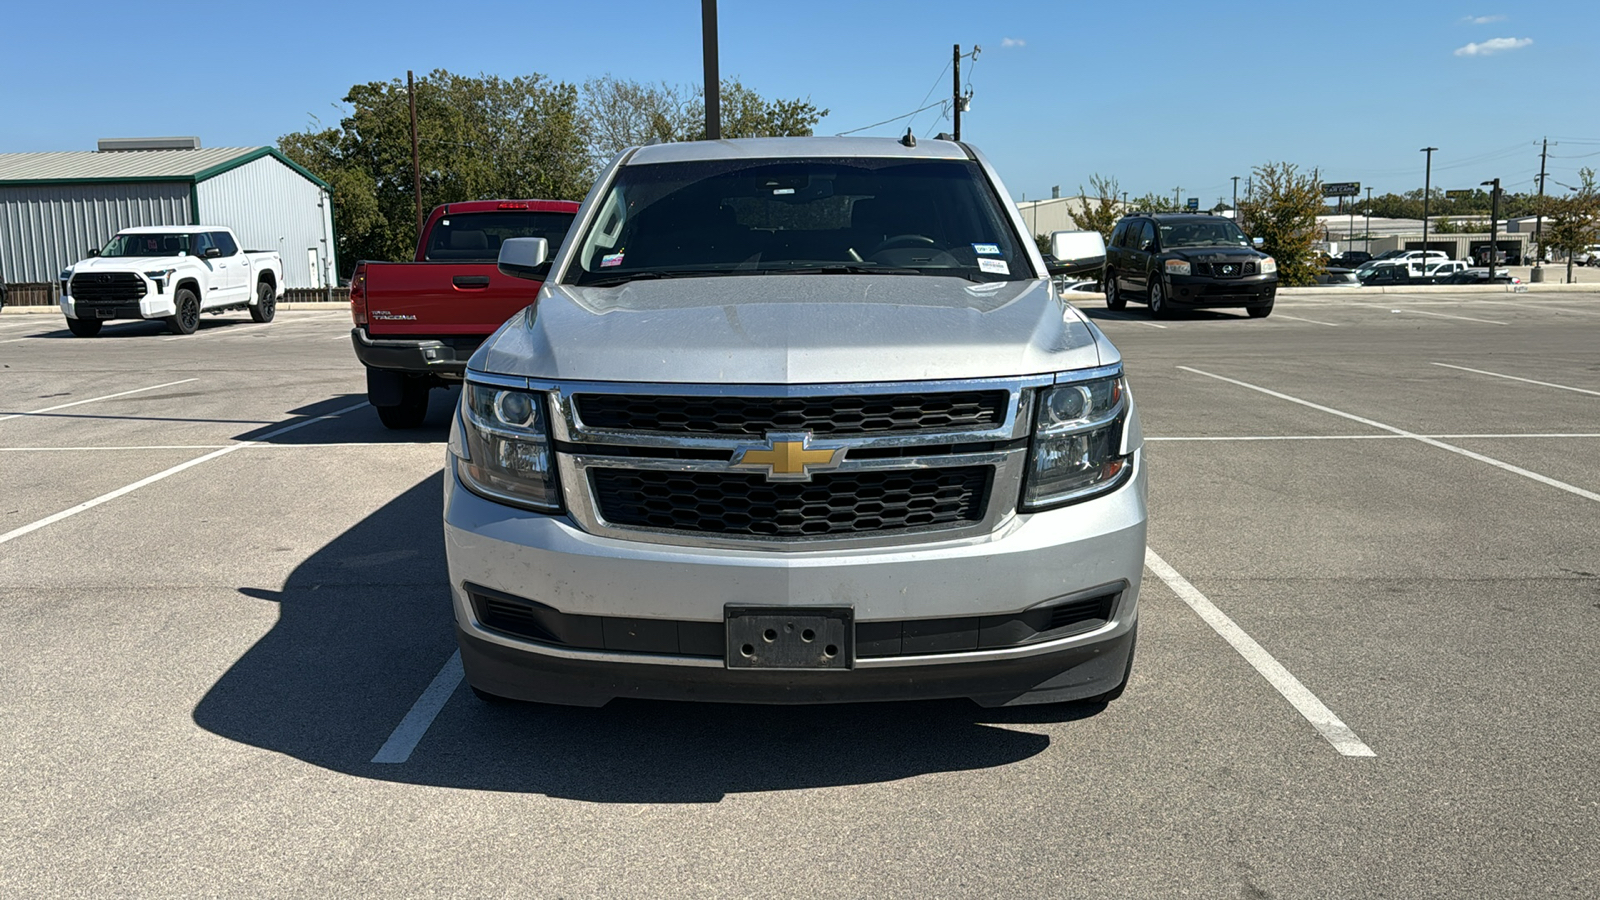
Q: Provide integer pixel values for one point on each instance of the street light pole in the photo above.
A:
(1235, 199)
(1368, 238)
(708, 47)
(1427, 186)
(1494, 225)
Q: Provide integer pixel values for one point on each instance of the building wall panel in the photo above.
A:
(45, 228)
(272, 207)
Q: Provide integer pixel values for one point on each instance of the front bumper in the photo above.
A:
(151, 306)
(1031, 561)
(443, 356)
(1203, 291)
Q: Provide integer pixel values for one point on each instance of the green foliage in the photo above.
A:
(1443, 225)
(1100, 211)
(1283, 213)
(1043, 240)
(1572, 221)
(1153, 203)
(487, 137)
(1409, 205)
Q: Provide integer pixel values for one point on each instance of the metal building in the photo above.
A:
(56, 207)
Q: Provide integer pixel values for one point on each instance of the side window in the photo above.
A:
(224, 242)
(1119, 234)
(1147, 236)
(201, 243)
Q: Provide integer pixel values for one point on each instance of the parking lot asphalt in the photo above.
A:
(222, 590)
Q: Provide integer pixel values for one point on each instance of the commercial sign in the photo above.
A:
(1460, 195)
(1341, 189)
(1194, 203)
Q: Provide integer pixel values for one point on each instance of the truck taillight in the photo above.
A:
(358, 295)
(516, 206)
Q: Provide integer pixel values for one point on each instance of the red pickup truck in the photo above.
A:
(417, 323)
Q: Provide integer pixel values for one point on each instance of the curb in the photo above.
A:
(56, 310)
(1485, 289)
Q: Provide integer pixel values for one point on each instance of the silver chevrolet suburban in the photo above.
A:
(797, 420)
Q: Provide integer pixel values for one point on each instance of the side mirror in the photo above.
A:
(1077, 252)
(213, 252)
(94, 252)
(524, 258)
(1256, 242)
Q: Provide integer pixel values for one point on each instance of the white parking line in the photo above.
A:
(1315, 711)
(1365, 437)
(1525, 380)
(95, 399)
(431, 447)
(406, 735)
(1423, 312)
(217, 330)
(1312, 321)
(128, 489)
(1518, 470)
(1540, 306)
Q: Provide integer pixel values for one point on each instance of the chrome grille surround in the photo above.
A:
(578, 449)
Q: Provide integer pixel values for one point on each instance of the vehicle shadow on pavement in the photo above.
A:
(364, 625)
(360, 426)
(1141, 314)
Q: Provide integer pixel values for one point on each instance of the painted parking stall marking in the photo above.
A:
(49, 409)
(1549, 384)
(1330, 726)
(406, 735)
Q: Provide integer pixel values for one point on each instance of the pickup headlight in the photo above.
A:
(1077, 443)
(1177, 267)
(160, 276)
(1269, 266)
(504, 451)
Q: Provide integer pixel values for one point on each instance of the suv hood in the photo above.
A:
(1215, 254)
(794, 329)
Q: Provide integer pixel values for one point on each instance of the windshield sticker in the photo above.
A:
(986, 249)
(610, 259)
(783, 191)
(994, 266)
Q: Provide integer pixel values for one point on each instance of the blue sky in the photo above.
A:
(1159, 94)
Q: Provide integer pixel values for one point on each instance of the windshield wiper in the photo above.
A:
(625, 277)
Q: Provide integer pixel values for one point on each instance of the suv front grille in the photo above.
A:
(831, 504)
(757, 416)
(93, 288)
(1226, 269)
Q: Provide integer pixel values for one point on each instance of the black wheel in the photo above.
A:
(1158, 298)
(266, 303)
(413, 408)
(1127, 672)
(187, 317)
(85, 327)
(1114, 298)
(1260, 312)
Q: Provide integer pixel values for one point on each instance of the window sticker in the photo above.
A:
(610, 259)
(994, 266)
(986, 249)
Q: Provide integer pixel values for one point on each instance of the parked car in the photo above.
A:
(1479, 276)
(1188, 261)
(173, 273)
(1589, 257)
(1405, 271)
(417, 323)
(1349, 259)
(873, 457)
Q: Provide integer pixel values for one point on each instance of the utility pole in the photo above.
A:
(1427, 185)
(1177, 194)
(1236, 199)
(1538, 224)
(1368, 240)
(708, 46)
(955, 88)
(416, 156)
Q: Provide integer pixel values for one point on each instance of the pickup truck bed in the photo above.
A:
(417, 323)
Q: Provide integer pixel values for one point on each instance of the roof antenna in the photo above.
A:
(910, 140)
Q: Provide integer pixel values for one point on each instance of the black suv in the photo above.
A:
(1183, 260)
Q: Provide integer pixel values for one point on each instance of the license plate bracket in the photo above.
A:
(798, 637)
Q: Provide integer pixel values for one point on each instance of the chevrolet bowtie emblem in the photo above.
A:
(788, 457)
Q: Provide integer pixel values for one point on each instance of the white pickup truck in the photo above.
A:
(170, 272)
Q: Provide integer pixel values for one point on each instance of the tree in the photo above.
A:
(625, 113)
(1101, 211)
(1283, 213)
(1154, 203)
(1572, 222)
(479, 137)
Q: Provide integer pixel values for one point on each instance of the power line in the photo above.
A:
(887, 121)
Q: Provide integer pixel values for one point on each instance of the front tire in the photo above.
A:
(413, 408)
(266, 303)
(1114, 298)
(84, 327)
(187, 317)
(1260, 312)
(1159, 308)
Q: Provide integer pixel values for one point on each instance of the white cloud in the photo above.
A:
(1493, 46)
(1483, 20)
(1013, 42)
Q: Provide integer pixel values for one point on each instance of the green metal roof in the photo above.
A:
(92, 167)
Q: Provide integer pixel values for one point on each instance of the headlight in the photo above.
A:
(504, 447)
(1269, 266)
(1077, 443)
(1178, 267)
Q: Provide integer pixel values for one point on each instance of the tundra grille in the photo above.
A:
(93, 288)
(831, 504)
(757, 416)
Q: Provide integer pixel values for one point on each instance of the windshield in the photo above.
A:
(1202, 233)
(147, 245)
(758, 217)
(476, 237)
